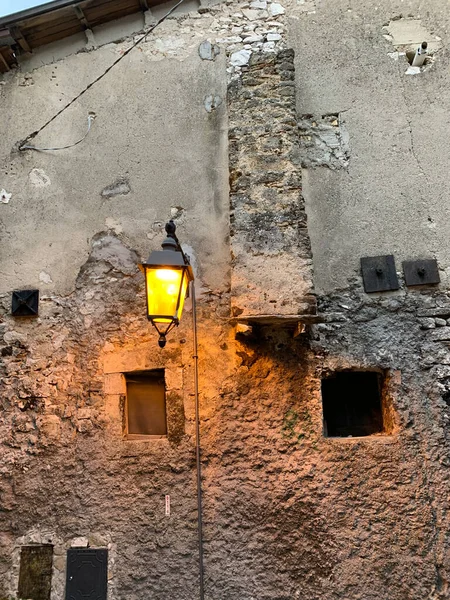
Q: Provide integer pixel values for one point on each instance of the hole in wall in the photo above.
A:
(446, 397)
(412, 43)
(354, 404)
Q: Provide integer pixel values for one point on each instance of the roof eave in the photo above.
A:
(35, 11)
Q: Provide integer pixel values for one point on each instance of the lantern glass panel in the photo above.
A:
(164, 300)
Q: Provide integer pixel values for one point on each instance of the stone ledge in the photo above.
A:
(434, 312)
(441, 335)
(278, 320)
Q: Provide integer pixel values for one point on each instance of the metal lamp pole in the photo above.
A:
(173, 258)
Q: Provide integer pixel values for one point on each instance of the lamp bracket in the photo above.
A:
(170, 230)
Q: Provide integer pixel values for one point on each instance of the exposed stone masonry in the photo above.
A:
(271, 255)
(288, 513)
(66, 470)
(308, 517)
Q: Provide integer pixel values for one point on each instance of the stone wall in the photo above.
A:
(288, 512)
(271, 255)
(67, 472)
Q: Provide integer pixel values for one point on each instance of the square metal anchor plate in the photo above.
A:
(25, 303)
(379, 274)
(421, 272)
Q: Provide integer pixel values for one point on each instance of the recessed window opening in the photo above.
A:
(145, 404)
(352, 404)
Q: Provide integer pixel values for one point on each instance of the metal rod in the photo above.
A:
(197, 446)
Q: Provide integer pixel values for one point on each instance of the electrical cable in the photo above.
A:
(24, 146)
(91, 118)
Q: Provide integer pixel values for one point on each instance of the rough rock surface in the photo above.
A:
(288, 513)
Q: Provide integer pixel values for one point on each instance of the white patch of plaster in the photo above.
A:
(412, 71)
(45, 277)
(169, 45)
(406, 34)
(4, 197)
(113, 225)
(39, 178)
(212, 102)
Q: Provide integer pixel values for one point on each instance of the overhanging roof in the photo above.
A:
(53, 21)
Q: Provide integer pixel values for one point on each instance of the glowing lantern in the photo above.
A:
(167, 277)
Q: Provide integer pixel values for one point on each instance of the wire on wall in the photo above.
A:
(91, 118)
(25, 146)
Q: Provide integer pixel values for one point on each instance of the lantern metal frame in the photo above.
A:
(171, 257)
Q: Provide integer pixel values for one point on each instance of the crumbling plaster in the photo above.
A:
(288, 513)
(170, 151)
(284, 507)
(392, 196)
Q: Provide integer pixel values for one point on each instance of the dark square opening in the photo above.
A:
(146, 404)
(352, 404)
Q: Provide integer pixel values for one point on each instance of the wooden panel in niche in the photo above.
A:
(35, 575)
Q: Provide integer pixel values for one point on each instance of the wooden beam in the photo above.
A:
(144, 5)
(81, 17)
(3, 62)
(20, 39)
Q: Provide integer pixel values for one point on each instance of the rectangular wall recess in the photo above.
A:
(35, 575)
(352, 404)
(145, 404)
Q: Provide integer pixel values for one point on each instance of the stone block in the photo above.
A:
(427, 323)
(79, 542)
(441, 335)
(174, 378)
(115, 383)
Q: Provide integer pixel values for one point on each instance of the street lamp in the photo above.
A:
(168, 279)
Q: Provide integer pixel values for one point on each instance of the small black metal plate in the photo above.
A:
(421, 272)
(379, 274)
(25, 303)
(87, 574)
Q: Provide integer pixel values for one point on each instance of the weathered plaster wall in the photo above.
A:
(391, 198)
(153, 152)
(288, 513)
